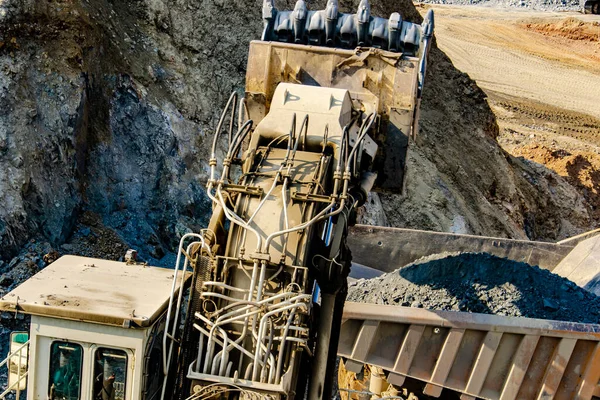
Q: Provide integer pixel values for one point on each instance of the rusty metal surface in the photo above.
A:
(478, 355)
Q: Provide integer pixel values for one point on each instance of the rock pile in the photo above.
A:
(480, 283)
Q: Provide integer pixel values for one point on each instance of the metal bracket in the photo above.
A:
(299, 196)
(246, 189)
(261, 256)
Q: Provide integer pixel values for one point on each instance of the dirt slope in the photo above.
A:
(107, 107)
(521, 55)
(570, 28)
(541, 73)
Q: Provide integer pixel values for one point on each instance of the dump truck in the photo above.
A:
(255, 305)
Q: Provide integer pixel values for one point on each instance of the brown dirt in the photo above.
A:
(563, 141)
(569, 28)
(580, 168)
(541, 73)
(496, 49)
(537, 118)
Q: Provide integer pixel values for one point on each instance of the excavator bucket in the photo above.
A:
(381, 62)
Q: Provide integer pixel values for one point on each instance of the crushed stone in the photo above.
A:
(480, 283)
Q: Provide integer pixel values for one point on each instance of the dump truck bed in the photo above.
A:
(479, 355)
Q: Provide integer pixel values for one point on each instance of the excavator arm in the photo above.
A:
(331, 103)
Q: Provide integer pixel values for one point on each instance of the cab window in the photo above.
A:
(110, 374)
(66, 360)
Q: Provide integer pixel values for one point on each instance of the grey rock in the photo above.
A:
(13, 262)
(552, 305)
(481, 283)
(67, 247)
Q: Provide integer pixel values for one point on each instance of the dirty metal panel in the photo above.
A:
(582, 265)
(576, 371)
(444, 362)
(481, 356)
(391, 334)
(408, 349)
(94, 290)
(501, 364)
(467, 355)
(519, 366)
(482, 364)
(387, 249)
(377, 81)
(432, 341)
(391, 83)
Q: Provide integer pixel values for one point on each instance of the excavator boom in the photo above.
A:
(331, 103)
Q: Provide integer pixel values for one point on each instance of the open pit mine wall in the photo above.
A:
(107, 106)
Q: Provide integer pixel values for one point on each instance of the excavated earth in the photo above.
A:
(107, 107)
(480, 283)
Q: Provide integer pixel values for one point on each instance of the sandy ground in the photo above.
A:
(541, 73)
(498, 49)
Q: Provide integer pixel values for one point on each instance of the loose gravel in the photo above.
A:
(480, 283)
(541, 5)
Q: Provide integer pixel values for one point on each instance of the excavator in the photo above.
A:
(255, 306)
(591, 7)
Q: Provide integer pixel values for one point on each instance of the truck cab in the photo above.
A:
(96, 330)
